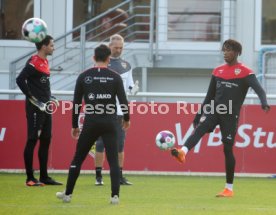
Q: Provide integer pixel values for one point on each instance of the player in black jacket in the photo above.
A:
(228, 88)
(99, 87)
(34, 83)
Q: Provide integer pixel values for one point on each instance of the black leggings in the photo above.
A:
(228, 126)
(92, 129)
(42, 156)
(39, 126)
(230, 162)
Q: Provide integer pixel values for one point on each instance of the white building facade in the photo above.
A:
(188, 38)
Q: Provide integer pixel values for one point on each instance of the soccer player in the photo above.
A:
(124, 69)
(99, 87)
(229, 83)
(34, 83)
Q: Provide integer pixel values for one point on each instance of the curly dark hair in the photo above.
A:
(45, 42)
(232, 45)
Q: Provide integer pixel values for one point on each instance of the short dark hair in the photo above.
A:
(102, 52)
(233, 45)
(45, 42)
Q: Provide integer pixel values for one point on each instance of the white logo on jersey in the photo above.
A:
(91, 96)
(202, 119)
(103, 96)
(229, 137)
(124, 65)
(237, 71)
(88, 80)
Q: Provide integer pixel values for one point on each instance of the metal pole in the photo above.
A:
(144, 81)
(131, 6)
(151, 35)
(222, 27)
(12, 78)
(12, 68)
(82, 49)
(263, 70)
(156, 55)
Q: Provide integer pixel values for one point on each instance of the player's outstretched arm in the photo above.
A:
(254, 83)
(77, 102)
(121, 94)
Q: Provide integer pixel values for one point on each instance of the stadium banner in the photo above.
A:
(255, 145)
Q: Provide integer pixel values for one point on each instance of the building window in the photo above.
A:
(85, 10)
(268, 20)
(13, 15)
(130, 20)
(194, 20)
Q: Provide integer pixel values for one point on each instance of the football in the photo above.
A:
(165, 140)
(34, 30)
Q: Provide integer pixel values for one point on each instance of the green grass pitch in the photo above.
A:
(149, 195)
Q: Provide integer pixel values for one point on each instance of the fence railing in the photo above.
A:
(74, 49)
(163, 95)
(268, 69)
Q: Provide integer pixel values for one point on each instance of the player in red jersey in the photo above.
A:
(34, 82)
(228, 87)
